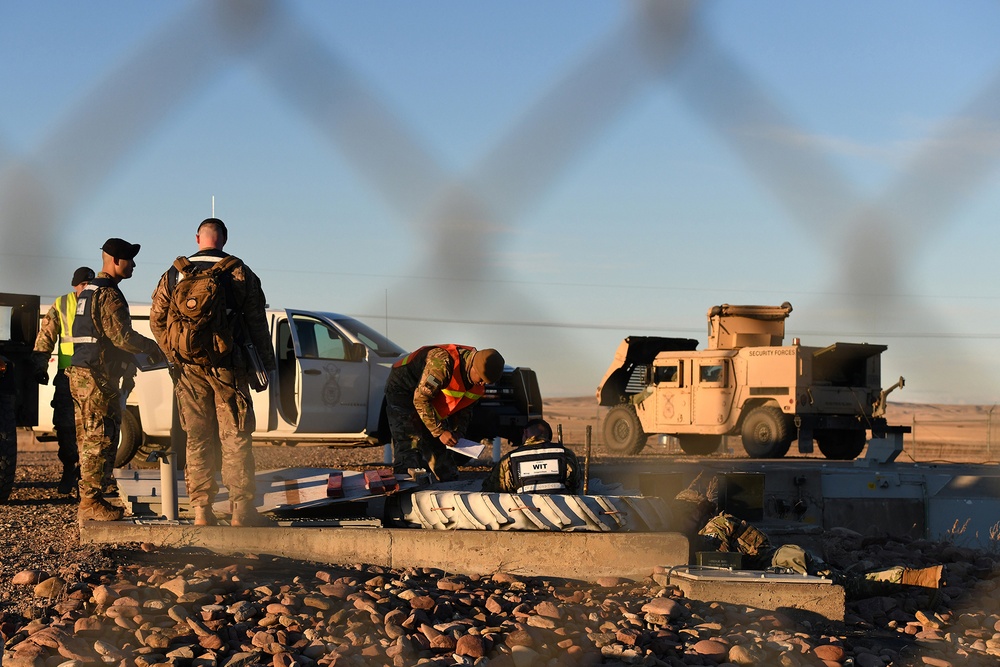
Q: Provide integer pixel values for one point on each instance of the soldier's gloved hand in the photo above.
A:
(42, 376)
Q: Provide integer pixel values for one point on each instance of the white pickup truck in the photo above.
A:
(329, 389)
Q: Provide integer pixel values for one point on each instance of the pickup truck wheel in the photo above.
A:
(765, 433)
(8, 464)
(129, 441)
(699, 445)
(840, 444)
(623, 434)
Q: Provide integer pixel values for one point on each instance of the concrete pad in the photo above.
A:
(798, 596)
(583, 556)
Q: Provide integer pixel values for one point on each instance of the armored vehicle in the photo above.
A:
(747, 383)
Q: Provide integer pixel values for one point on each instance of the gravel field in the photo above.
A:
(64, 604)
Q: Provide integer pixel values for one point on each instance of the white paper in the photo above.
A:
(468, 448)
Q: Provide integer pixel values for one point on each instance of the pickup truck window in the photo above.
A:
(375, 341)
(319, 341)
(5, 318)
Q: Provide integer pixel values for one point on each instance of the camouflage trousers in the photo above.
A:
(413, 446)
(98, 423)
(64, 420)
(857, 585)
(216, 413)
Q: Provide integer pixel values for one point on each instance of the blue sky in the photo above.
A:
(545, 177)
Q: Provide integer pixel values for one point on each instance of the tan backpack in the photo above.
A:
(198, 329)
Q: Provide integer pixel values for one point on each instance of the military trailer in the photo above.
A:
(746, 382)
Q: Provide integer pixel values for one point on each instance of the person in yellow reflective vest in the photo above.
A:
(56, 328)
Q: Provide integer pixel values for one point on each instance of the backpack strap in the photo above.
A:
(226, 264)
(184, 265)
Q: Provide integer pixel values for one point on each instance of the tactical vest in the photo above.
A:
(86, 349)
(455, 395)
(538, 469)
(66, 307)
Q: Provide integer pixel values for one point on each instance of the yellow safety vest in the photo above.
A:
(66, 305)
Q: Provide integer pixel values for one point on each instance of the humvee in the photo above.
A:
(746, 383)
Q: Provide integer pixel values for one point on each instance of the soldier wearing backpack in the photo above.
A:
(205, 309)
(104, 348)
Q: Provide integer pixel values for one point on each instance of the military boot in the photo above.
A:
(443, 466)
(928, 577)
(70, 477)
(110, 488)
(204, 516)
(98, 509)
(246, 515)
(410, 460)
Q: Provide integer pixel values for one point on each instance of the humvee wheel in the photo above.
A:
(623, 433)
(699, 445)
(840, 444)
(129, 439)
(765, 433)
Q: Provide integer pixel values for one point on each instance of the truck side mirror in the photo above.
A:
(357, 352)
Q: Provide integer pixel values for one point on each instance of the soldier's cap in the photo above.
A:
(488, 364)
(120, 248)
(82, 275)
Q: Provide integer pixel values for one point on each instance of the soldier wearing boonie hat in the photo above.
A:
(427, 395)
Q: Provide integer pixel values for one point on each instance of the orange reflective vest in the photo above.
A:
(455, 395)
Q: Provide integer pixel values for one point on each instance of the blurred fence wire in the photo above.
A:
(659, 44)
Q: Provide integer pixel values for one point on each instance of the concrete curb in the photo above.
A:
(582, 556)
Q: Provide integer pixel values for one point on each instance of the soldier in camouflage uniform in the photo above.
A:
(104, 345)
(537, 466)
(213, 402)
(427, 394)
(56, 332)
(727, 533)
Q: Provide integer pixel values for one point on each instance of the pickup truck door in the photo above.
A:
(329, 373)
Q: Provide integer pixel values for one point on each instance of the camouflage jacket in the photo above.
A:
(424, 380)
(50, 333)
(247, 294)
(502, 479)
(116, 339)
(729, 533)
